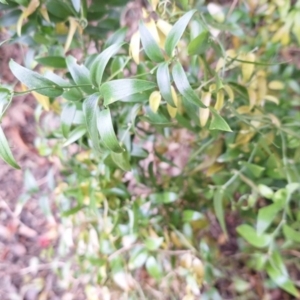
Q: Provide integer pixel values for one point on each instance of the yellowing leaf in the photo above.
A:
(73, 25)
(174, 95)
(61, 28)
(252, 97)
(215, 168)
(134, 47)
(220, 100)
(30, 9)
(272, 99)
(154, 100)
(171, 110)
(261, 87)
(220, 64)
(164, 26)
(151, 26)
(154, 4)
(43, 100)
(275, 85)
(243, 138)
(204, 112)
(229, 92)
(216, 12)
(248, 68)
(44, 13)
(282, 35)
(244, 109)
(274, 120)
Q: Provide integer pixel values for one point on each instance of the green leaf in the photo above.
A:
(139, 97)
(5, 98)
(80, 75)
(200, 44)
(100, 62)
(266, 216)
(183, 85)
(291, 234)
(5, 152)
(254, 169)
(177, 31)
(117, 37)
(192, 215)
(280, 195)
(76, 5)
(121, 160)
(67, 117)
(71, 93)
(118, 89)
(35, 81)
(150, 46)
(265, 191)
(250, 235)
(152, 243)
(281, 280)
(219, 209)
(153, 268)
(292, 187)
(163, 198)
(56, 62)
(137, 259)
(75, 135)
(164, 82)
(90, 109)
(3, 1)
(156, 118)
(106, 131)
(217, 122)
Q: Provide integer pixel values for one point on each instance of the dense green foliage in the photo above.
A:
(175, 129)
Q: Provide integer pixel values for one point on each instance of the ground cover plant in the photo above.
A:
(176, 124)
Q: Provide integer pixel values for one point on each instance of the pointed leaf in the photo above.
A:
(118, 89)
(177, 31)
(164, 82)
(35, 81)
(184, 87)
(67, 117)
(149, 44)
(121, 160)
(56, 62)
(5, 152)
(100, 62)
(291, 234)
(5, 98)
(76, 5)
(75, 135)
(90, 109)
(250, 235)
(138, 259)
(154, 101)
(219, 209)
(80, 75)
(107, 133)
(217, 122)
(153, 268)
(282, 280)
(153, 243)
(266, 216)
(117, 37)
(200, 44)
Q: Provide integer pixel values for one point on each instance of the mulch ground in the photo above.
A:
(23, 226)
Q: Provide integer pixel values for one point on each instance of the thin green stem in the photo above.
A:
(15, 94)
